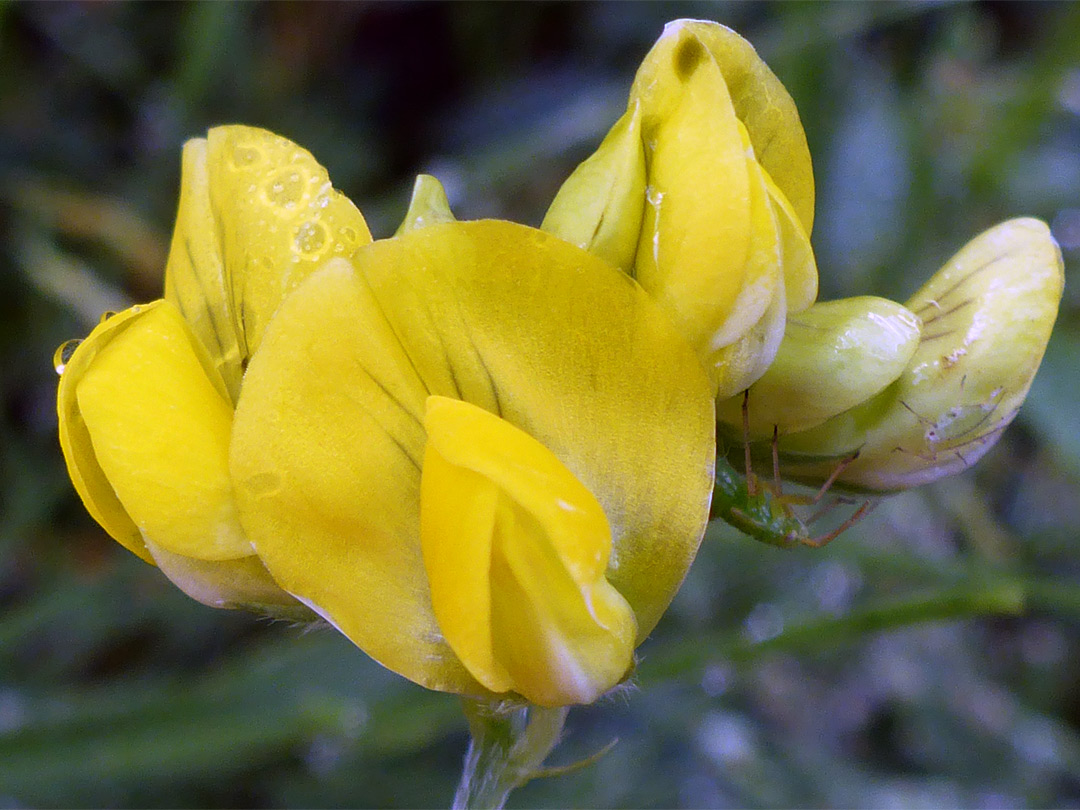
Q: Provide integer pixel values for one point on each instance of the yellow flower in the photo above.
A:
(481, 453)
(703, 191)
(920, 391)
(341, 418)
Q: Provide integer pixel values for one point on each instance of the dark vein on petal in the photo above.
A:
(944, 314)
(986, 416)
(393, 330)
(442, 345)
(928, 338)
(401, 445)
(484, 366)
(959, 282)
(190, 316)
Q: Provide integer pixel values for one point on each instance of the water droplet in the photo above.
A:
(312, 239)
(286, 189)
(63, 354)
(246, 156)
(347, 234)
(106, 315)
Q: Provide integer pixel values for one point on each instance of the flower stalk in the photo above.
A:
(509, 743)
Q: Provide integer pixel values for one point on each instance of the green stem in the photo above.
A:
(509, 745)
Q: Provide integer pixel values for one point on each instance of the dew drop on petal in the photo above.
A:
(63, 354)
(311, 239)
(246, 156)
(286, 189)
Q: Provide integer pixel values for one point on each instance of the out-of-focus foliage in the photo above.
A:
(926, 658)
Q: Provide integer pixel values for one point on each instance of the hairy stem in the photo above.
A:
(509, 745)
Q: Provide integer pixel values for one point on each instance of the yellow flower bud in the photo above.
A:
(703, 191)
(987, 317)
(834, 356)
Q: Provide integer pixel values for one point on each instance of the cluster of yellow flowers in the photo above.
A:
(485, 452)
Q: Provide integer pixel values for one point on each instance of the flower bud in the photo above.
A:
(703, 191)
(987, 317)
(834, 355)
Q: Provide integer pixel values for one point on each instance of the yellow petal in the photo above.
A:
(599, 207)
(800, 267)
(428, 205)
(738, 364)
(328, 441)
(763, 104)
(744, 362)
(196, 280)
(240, 583)
(762, 280)
(695, 235)
(987, 316)
(834, 356)
(86, 474)
(160, 433)
(563, 642)
(515, 549)
(257, 215)
(457, 526)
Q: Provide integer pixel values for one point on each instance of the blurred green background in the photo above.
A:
(927, 658)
